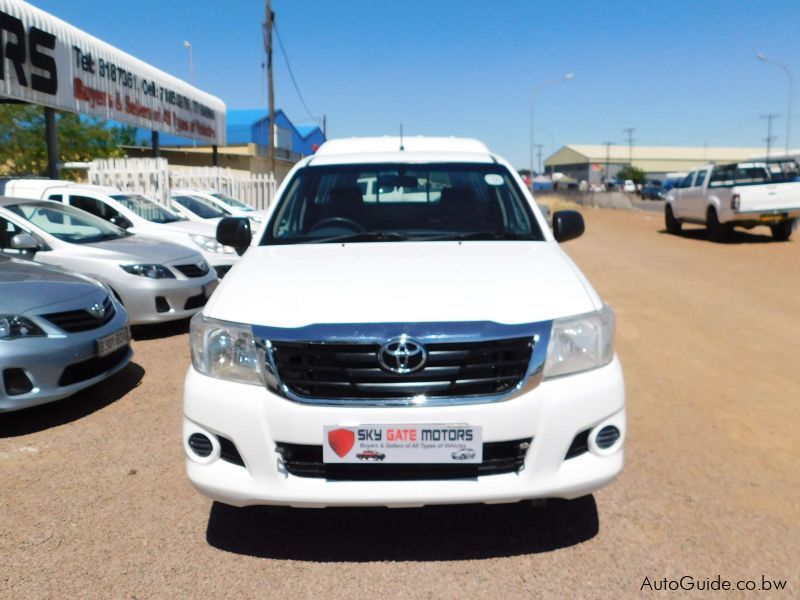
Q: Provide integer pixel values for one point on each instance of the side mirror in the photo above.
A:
(121, 221)
(567, 225)
(24, 241)
(235, 231)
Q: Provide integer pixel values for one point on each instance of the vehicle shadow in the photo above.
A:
(737, 236)
(77, 406)
(459, 532)
(157, 331)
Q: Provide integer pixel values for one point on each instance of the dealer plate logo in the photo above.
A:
(341, 441)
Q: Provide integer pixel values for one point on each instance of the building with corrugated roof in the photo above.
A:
(247, 134)
(595, 163)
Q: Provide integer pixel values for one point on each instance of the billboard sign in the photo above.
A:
(46, 61)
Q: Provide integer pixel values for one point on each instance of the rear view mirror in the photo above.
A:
(121, 221)
(24, 241)
(567, 225)
(235, 231)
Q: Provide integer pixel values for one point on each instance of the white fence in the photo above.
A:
(152, 177)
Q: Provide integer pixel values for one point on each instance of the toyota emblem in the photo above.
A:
(402, 355)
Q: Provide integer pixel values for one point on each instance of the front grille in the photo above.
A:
(332, 371)
(498, 458)
(73, 321)
(87, 369)
(192, 270)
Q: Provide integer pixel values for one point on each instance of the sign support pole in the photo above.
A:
(156, 147)
(214, 156)
(52, 142)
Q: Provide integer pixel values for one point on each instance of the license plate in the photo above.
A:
(771, 218)
(209, 288)
(407, 444)
(110, 343)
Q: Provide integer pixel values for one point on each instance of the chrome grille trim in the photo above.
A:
(426, 333)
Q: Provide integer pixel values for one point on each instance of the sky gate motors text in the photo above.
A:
(411, 435)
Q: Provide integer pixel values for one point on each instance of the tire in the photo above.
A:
(715, 231)
(673, 225)
(782, 231)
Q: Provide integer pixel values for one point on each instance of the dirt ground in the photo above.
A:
(94, 501)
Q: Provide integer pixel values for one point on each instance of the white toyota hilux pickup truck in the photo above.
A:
(746, 194)
(404, 329)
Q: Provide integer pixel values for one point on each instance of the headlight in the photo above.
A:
(580, 343)
(14, 326)
(151, 271)
(225, 350)
(209, 244)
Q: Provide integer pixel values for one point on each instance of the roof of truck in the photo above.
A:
(406, 149)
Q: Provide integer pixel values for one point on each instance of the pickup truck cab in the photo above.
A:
(133, 212)
(404, 299)
(743, 194)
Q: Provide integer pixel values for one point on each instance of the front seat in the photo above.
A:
(348, 203)
(457, 210)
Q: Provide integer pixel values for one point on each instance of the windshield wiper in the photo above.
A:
(362, 236)
(475, 235)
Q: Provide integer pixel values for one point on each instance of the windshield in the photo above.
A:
(146, 208)
(67, 223)
(398, 202)
(233, 202)
(200, 207)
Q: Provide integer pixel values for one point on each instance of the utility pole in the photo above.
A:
(629, 132)
(770, 138)
(608, 156)
(269, 23)
(538, 157)
(325, 126)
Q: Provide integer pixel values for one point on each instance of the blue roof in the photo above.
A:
(249, 125)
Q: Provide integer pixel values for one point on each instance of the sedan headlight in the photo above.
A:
(225, 350)
(13, 327)
(580, 343)
(209, 244)
(151, 271)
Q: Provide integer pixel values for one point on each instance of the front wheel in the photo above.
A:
(715, 231)
(673, 225)
(782, 231)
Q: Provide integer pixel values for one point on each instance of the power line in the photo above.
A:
(291, 74)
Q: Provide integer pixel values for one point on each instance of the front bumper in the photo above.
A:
(160, 300)
(44, 359)
(255, 420)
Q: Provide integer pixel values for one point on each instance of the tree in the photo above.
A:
(23, 150)
(634, 174)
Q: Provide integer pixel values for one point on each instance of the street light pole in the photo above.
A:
(566, 77)
(187, 44)
(766, 59)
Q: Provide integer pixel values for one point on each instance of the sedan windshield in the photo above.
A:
(402, 202)
(67, 223)
(199, 206)
(146, 208)
(233, 202)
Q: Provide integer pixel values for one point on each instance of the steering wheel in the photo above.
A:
(342, 221)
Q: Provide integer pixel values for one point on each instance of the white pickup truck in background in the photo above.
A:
(743, 194)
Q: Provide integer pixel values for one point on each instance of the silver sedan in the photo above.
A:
(59, 333)
(155, 281)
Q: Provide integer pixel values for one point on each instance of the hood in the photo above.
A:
(25, 285)
(143, 249)
(298, 285)
(206, 228)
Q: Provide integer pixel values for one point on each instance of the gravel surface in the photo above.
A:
(94, 501)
